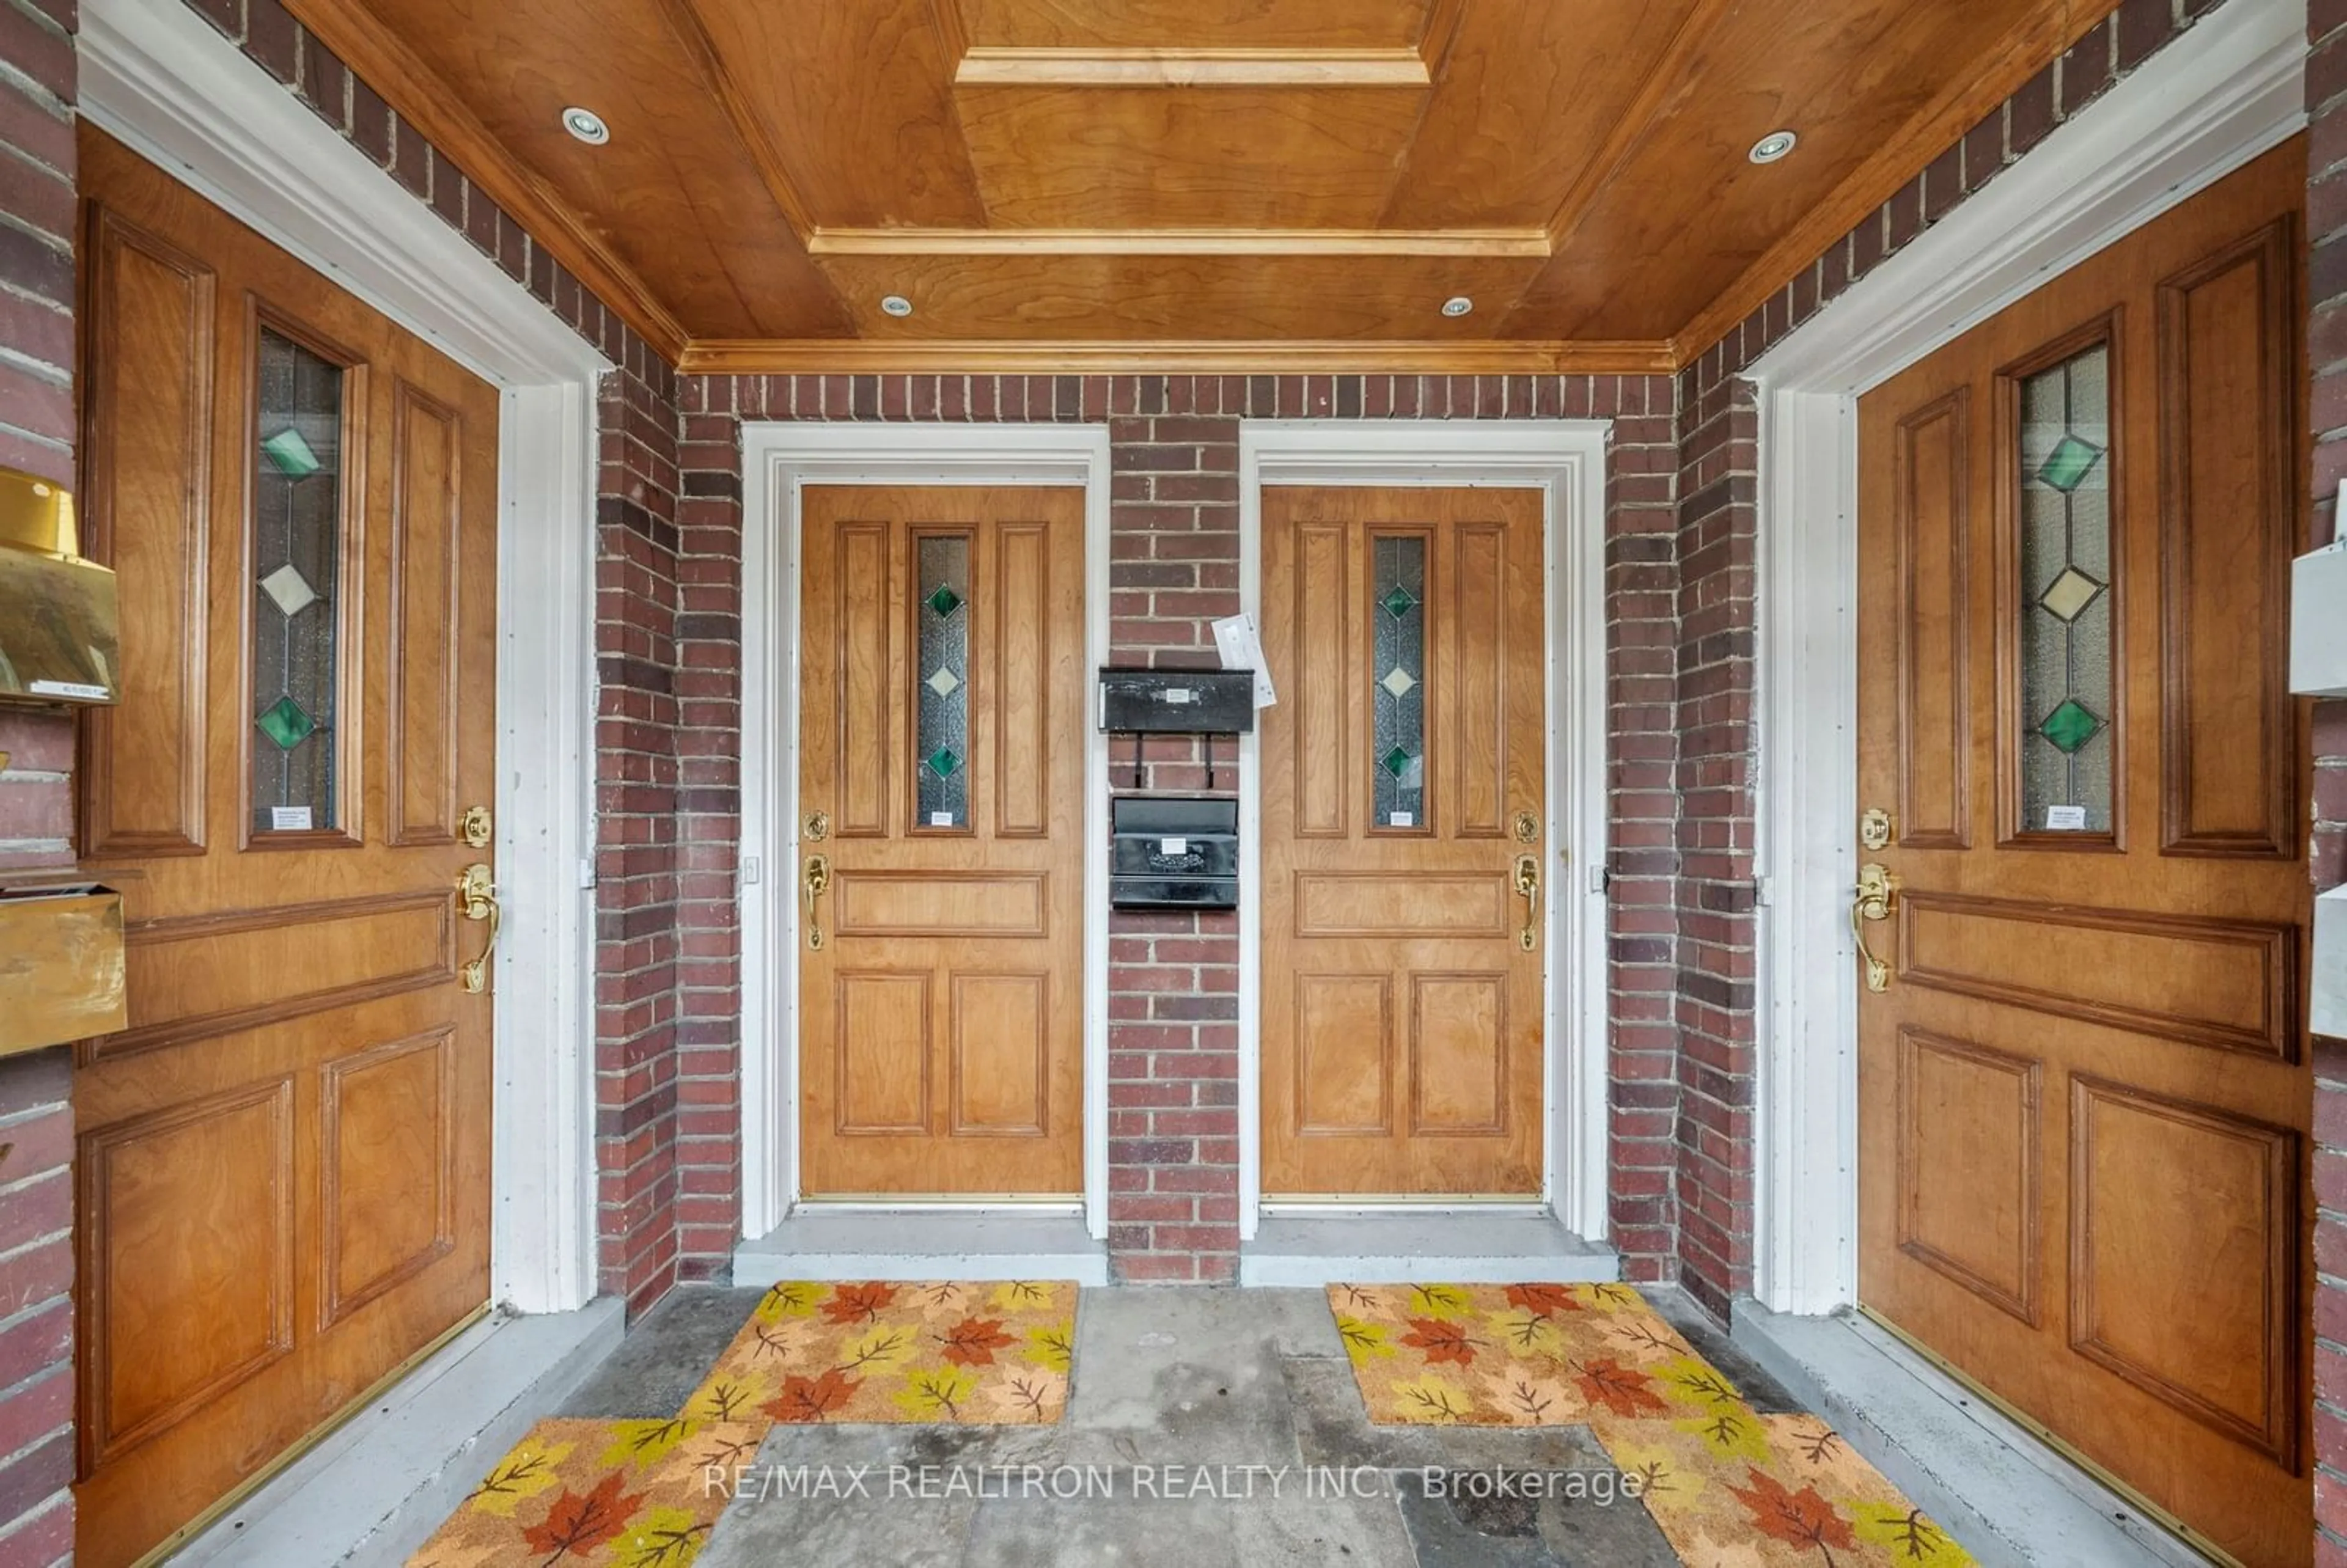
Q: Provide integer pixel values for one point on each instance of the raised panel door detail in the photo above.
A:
(1479, 585)
(860, 582)
(1968, 1193)
(940, 904)
(2229, 526)
(1001, 1055)
(1023, 731)
(2184, 1234)
(2230, 985)
(148, 407)
(1458, 1044)
(1323, 697)
(1932, 535)
(387, 1166)
(882, 1052)
(1344, 1054)
(1370, 904)
(427, 443)
(188, 1250)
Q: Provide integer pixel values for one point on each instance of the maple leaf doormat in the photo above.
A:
(944, 1350)
(1727, 1486)
(596, 1494)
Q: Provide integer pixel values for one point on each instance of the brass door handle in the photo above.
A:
(1527, 886)
(477, 899)
(1876, 895)
(815, 883)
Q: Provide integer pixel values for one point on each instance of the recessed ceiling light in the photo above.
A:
(897, 305)
(1774, 146)
(586, 125)
(1456, 305)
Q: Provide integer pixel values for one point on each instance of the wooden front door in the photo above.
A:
(1404, 803)
(2083, 1091)
(283, 1162)
(941, 805)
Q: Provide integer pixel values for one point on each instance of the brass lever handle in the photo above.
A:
(1527, 886)
(477, 899)
(1876, 895)
(815, 882)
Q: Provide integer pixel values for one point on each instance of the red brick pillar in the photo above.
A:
(36, 750)
(1172, 1090)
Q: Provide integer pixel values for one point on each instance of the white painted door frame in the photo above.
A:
(1565, 459)
(779, 461)
(2194, 113)
(160, 79)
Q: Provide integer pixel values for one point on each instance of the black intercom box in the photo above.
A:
(1173, 852)
(1177, 702)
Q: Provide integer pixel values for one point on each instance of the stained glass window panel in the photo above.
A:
(2067, 738)
(297, 539)
(1397, 684)
(941, 695)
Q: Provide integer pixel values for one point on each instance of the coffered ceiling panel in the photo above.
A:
(1190, 23)
(1217, 170)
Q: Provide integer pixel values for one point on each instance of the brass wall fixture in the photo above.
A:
(60, 622)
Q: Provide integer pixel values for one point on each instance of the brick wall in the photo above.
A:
(1173, 568)
(1716, 1017)
(37, 435)
(2326, 198)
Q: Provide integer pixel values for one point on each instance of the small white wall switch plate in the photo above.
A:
(2331, 963)
(2318, 623)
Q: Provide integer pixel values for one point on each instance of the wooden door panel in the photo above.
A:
(942, 691)
(2084, 1096)
(147, 461)
(1402, 1010)
(1932, 534)
(389, 1150)
(2184, 1233)
(190, 1215)
(285, 1156)
(427, 653)
(2229, 744)
(1970, 1192)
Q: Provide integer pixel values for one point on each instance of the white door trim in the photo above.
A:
(1566, 460)
(2199, 109)
(161, 80)
(778, 460)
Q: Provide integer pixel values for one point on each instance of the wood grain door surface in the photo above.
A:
(1404, 782)
(283, 1161)
(942, 727)
(2085, 1094)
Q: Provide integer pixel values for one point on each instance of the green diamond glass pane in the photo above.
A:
(2069, 464)
(2070, 726)
(1397, 762)
(286, 724)
(1399, 601)
(290, 455)
(943, 763)
(944, 601)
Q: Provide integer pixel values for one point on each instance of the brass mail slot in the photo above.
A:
(61, 974)
(60, 623)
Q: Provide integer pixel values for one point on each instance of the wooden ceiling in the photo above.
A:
(1272, 182)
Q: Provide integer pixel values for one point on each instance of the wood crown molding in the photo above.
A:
(858, 356)
(1007, 65)
(1518, 242)
(1928, 134)
(388, 66)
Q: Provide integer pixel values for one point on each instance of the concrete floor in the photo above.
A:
(1226, 1425)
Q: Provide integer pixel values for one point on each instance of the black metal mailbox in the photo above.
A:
(1177, 702)
(1173, 852)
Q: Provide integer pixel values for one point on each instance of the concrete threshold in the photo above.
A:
(2011, 1499)
(1461, 1246)
(377, 1487)
(816, 1242)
